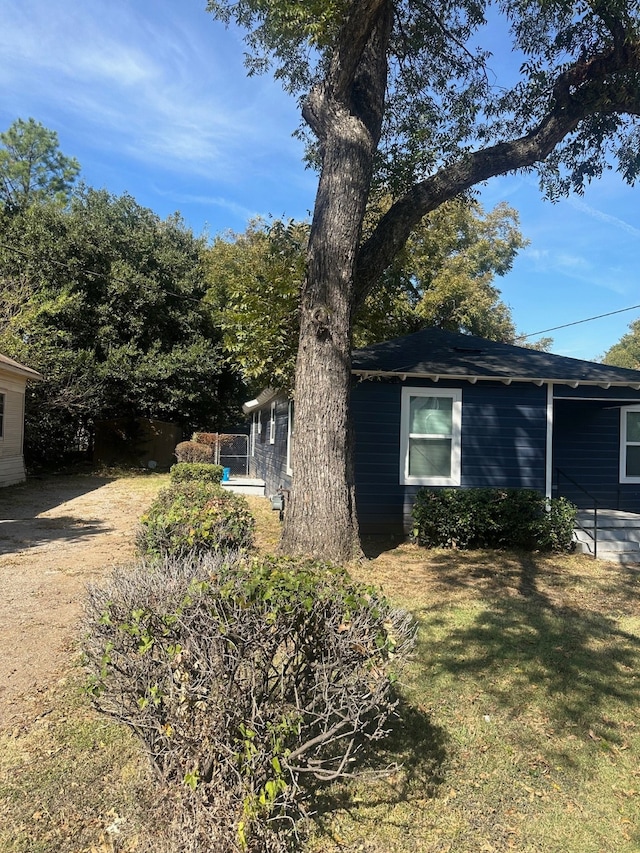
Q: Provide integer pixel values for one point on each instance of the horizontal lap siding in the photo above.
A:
(375, 409)
(503, 444)
(11, 460)
(504, 436)
(11, 471)
(269, 462)
(587, 449)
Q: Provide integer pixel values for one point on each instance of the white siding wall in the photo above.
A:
(11, 459)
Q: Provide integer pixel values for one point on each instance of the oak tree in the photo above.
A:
(113, 317)
(398, 99)
(626, 352)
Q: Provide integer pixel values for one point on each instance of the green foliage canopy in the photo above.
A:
(443, 277)
(443, 98)
(626, 353)
(105, 300)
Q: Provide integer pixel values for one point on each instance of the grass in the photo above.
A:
(519, 727)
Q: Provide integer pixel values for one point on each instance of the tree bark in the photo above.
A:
(345, 112)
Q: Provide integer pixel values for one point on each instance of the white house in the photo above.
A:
(13, 381)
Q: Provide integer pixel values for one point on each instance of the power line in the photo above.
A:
(577, 322)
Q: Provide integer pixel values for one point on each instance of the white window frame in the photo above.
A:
(255, 429)
(3, 413)
(455, 394)
(624, 444)
(290, 434)
(272, 424)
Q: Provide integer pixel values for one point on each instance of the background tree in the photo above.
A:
(114, 320)
(32, 167)
(443, 277)
(398, 100)
(626, 353)
(255, 287)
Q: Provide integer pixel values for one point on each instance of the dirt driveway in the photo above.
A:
(56, 534)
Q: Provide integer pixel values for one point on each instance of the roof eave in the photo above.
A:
(16, 369)
(264, 397)
(506, 380)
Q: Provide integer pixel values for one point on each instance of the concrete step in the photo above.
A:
(615, 551)
(613, 534)
(244, 486)
(609, 519)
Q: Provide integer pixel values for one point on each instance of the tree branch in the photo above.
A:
(586, 88)
(331, 99)
(354, 37)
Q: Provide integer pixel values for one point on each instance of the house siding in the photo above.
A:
(503, 444)
(586, 450)
(268, 461)
(11, 460)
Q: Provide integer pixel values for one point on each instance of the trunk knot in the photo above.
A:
(320, 316)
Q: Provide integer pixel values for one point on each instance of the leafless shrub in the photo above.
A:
(244, 680)
(192, 451)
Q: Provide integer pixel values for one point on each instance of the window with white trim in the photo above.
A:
(2, 402)
(630, 444)
(430, 428)
(272, 424)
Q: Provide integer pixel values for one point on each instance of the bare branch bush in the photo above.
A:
(245, 680)
(193, 451)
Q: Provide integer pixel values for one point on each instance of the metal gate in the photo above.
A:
(232, 452)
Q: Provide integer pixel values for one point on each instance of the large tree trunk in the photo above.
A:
(345, 113)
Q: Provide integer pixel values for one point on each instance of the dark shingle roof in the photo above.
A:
(435, 352)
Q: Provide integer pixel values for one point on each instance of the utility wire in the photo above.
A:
(577, 322)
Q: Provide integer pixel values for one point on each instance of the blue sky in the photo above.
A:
(152, 98)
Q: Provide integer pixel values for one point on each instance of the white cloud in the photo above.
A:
(600, 215)
(142, 80)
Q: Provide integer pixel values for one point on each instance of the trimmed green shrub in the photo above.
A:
(492, 518)
(244, 680)
(194, 517)
(193, 451)
(204, 472)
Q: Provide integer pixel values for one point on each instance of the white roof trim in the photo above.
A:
(264, 397)
(474, 377)
(15, 367)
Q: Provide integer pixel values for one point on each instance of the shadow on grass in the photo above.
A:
(410, 764)
(533, 642)
(374, 545)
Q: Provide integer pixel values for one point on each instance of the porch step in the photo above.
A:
(618, 535)
(244, 486)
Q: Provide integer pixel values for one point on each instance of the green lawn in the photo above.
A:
(519, 726)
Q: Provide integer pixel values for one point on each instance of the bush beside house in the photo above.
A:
(492, 518)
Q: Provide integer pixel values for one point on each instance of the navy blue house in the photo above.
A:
(442, 409)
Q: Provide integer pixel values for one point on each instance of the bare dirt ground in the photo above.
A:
(57, 534)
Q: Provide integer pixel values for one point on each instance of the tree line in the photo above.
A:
(126, 314)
